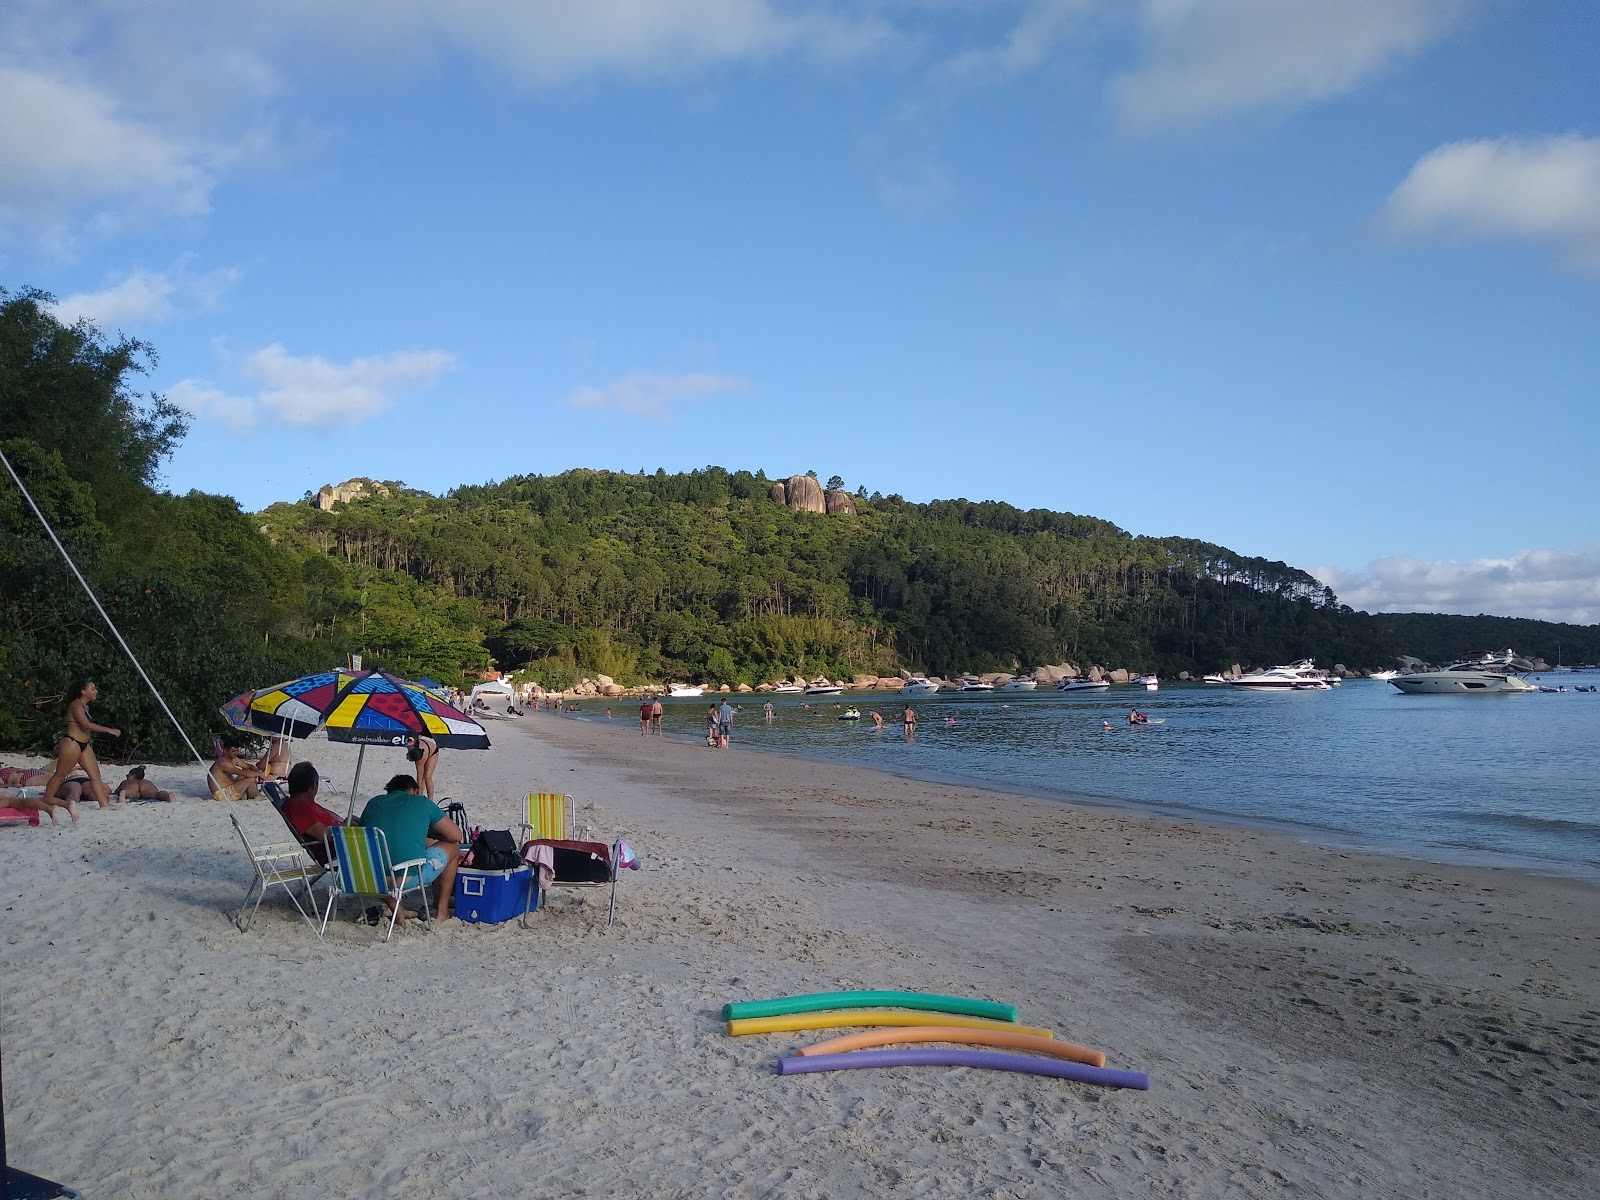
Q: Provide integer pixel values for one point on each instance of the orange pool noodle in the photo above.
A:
(950, 1033)
(865, 1018)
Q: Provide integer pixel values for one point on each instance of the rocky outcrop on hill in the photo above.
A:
(802, 493)
(342, 493)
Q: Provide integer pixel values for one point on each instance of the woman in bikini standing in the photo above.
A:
(73, 750)
(424, 752)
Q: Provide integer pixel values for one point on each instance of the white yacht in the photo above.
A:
(1384, 676)
(918, 685)
(823, 688)
(684, 691)
(1149, 682)
(1301, 676)
(1022, 683)
(1214, 679)
(969, 684)
(787, 689)
(1487, 675)
(1083, 684)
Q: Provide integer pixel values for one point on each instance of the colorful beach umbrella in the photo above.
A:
(366, 708)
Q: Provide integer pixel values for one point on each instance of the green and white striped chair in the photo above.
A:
(358, 857)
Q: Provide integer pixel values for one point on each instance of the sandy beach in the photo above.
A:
(1337, 1023)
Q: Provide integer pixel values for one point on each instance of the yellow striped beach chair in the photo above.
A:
(359, 859)
(578, 863)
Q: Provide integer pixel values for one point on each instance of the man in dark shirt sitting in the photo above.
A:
(415, 827)
(308, 818)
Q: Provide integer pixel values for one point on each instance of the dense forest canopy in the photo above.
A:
(700, 575)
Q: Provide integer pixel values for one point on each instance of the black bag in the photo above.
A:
(495, 850)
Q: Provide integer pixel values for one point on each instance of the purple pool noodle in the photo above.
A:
(992, 1060)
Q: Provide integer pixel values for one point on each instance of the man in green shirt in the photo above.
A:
(415, 827)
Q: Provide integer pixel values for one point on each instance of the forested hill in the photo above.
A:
(711, 575)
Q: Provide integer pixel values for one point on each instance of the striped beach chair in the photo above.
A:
(359, 859)
(548, 822)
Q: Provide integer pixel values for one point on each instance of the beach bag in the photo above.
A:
(495, 850)
(456, 811)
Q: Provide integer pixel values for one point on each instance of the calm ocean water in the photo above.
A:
(1495, 780)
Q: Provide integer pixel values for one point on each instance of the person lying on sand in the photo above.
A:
(231, 778)
(67, 794)
(137, 787)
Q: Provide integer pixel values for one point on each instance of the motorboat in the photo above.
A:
(1022, 683)
(787, 689)
(1149, 682)
(1083, 683)
(1214, 679)
(1301, 676)
(684, 691)
(1486, 675)
(823, 688)
(1384, 676)
(918, 685)
(970, 684)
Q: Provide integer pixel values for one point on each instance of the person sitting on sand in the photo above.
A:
(137, 787)
(276, 760)
(74, 750)
(309, 819)
(415, 827)
(231, 778)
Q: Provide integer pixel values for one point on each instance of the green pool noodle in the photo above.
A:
(783, 1006)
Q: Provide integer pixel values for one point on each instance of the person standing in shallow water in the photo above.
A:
(646, 712)
(74, 750)
(656, 713)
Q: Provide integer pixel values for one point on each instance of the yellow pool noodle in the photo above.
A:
(971, 1037)
(864, 1017)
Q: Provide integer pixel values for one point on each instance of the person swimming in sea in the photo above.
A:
(1135, 717)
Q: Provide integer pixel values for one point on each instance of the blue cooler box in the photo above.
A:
(490, 897)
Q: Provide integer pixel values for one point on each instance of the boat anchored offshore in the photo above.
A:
(1214, 679)
(1302, 676)
(1487, 675)
(823, 688)
(1384, 676)
(1149, 682)
(969, 684)
(1022, 683)
(918, 685)
(1084, 684)
(684, 691)
(787, 689)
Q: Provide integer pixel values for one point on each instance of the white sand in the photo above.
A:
(1336, 1023)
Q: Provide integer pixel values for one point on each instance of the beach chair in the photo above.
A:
(360, 865)
(276, 864)
(278, 792)
(578, 863)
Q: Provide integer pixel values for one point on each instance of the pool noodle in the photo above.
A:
(990, 1060)
(816, 1001)
(866, 1017)
(950, 1033)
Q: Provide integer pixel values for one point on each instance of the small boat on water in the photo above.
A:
(969, 684)
(850, 714)
(1215, 679)
(823, 688)
(684, 691)
(1022, 683)
(1149, 682)
(1083, 683)
(1384, 676)
(1301, 676)
(787, 689)
(1488, 674)
(918, 685)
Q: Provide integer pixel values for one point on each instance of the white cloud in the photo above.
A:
(1551, 585)
(1032, 40)
(147, 296)
(1541, 188)
(67, 147)
(655, 396)
(312, 392)
(1210, 59)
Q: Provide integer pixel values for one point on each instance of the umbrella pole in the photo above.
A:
(354, 787)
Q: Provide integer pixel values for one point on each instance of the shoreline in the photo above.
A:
(1326, 837)
(1344, 1023)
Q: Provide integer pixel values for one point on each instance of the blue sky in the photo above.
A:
(1315, 279)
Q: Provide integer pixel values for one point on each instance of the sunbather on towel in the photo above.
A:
(310, 820)
(67, 795)
(231, 778)
(415, 827)
(137, 787)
